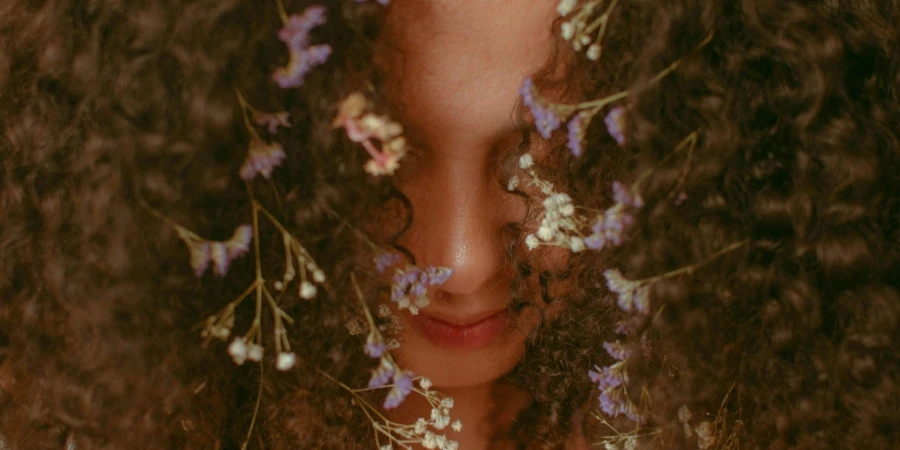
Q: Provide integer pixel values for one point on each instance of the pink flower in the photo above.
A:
(262, 158)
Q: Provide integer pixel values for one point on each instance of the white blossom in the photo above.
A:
(526, 161)
(307, 290)
(286, 361)
(238, 350)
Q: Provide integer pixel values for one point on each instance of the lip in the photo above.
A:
(453, 333)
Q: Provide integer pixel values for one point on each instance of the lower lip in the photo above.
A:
(461, 337)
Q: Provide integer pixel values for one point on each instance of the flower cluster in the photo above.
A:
(219, 253)
(362, 127)
(561, 224)
(401, 383)
(409, 289)
(583, 35)
(303, 56)
(549, 116)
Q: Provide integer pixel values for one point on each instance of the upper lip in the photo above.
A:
(462, 320)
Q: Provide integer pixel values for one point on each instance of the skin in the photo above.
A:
(453, 70)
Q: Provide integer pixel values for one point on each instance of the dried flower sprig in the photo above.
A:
(563, 225)
(262, 157)
(584, 35)
(633, 299)
(362, 126)
(626, 440)
(303, 56)
(389, 434)
(549, 116)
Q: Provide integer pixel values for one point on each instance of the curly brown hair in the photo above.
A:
(787, 342)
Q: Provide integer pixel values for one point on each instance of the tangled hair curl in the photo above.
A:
(787, 342)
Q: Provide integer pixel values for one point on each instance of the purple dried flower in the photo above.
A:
(545, 119)
(272, 120)
(239, 243)
(200, 257)
(617, 350)
(374, 346)
(403, 384)
(303, 57)
(413, 281)
(576, 130)
(438, 275)
(385, 261)
(615, 124)
(218, 254)
(612, 401)
(381, 374)
(261, 159)
(608, 377)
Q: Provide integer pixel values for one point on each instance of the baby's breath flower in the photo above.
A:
(272, 120)
(532, 242)
(565, 7)
(593, 52)
(457, 426)
(254, 352)
(615, 124)
(513, 183)
(307, 290)
(526, 161)
(421, 426)
(285, 361)
(425, 384)
(318, 276)
(262, 158)
(576, 244)
(303, 57)
(706, 437)
(238, 350)
(386, 446)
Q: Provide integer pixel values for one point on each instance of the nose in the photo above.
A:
(459, 210)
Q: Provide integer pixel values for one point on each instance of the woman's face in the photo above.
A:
(453, 71)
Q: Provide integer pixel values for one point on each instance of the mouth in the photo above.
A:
(460, 334)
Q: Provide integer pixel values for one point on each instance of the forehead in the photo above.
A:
(457, 65)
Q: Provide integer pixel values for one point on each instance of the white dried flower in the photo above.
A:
(447, 402)
(425, 383)
(576, 244)
(526, 161)
(513, 183)
(420, 426)
(705, 437)
(318, 276)
(307, 290)
(567, 30)
(593, 52)
(457, 426)
(238, 350)
(429, 441)
(254, 352)
(286, 361)
(531, 241)
(565, 7)
(386, 447)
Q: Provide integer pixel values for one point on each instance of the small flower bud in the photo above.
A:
(307, 290)
(285, 361)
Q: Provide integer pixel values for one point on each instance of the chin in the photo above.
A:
(459, 353)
